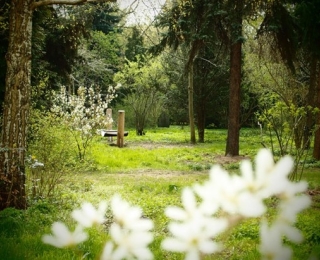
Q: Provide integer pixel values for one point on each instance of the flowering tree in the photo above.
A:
(83, 114)
(208, 210)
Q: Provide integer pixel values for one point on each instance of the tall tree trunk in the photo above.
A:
(232, 147)
(311, 99)
(190, 103)
(316, 146)
(16, 107)
(201, 121)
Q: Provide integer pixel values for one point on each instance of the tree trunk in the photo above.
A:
(201, 119)
(16, 107)
(311, 101)
(232, 147)
(316, 146)
(190, 100)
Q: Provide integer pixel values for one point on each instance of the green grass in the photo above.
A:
(168, 148)
(150, 171)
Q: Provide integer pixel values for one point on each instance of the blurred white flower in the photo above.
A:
(271, 246)
(194, 236)
(131, 234)
(289, 208)
(290, 204)
(107, 251)
(88, 215)
(62, 237)
(193, 228)
(190, 208)
(129, 217)
(130, 244)
(230, 193)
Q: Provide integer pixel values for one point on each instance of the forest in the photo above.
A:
(201, 82)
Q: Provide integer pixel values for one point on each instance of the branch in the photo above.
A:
(64, 2)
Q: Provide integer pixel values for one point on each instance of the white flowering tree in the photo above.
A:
(208, 210)
(83, 114)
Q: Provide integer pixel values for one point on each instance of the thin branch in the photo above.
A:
(64, 2)
(215, 65)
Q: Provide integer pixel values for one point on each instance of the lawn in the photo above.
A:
(150, 171)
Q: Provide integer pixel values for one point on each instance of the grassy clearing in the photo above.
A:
(150, 171)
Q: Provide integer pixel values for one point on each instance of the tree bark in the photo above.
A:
(190, 104)
(16, 106)
(232, 146)
(316, 146)
(201, 121)
(311, 101)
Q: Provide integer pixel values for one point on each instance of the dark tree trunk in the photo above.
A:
(311, 101)
(201, 119)
(232, 147)
(190, 104)
(316, 146)
(16, 107)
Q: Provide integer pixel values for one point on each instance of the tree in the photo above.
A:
(134, 45)
(145, 85)
(307, 14)
(211, 79)
(17, 101)
(296, 30)
(232, 146)
(187, 24)
(4, 29)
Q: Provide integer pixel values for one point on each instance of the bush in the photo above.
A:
(51, 155)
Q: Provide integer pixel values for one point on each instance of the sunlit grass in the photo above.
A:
(167, 148)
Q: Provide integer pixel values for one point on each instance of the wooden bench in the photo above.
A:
(112, 133)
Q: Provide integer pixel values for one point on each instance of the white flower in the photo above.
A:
(62, 237)
(131, 234)
(130, 243)
(107, 251)
(129, 217)
(231, 193)
(88, 215)
(290, 207)
(190, 209)
(193, 228)
(264, 163)
(271, 246)
(194, 237)
(254, 181)
(277, 178)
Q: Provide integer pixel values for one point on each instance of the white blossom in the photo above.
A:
(88, 215)
(230, 193)
(130, 243)
(190, 208)
(192, 228)
(271, 246)
(129, 217)
(131, 233)
(62, 237)
(194, 236)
